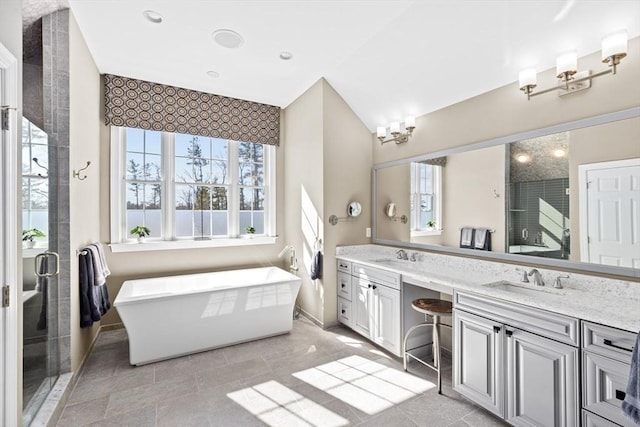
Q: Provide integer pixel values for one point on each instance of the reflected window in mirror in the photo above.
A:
(35, 182)
(426, 198)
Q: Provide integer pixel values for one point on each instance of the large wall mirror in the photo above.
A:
(566, 196)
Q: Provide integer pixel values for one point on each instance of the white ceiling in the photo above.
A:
(387, 59)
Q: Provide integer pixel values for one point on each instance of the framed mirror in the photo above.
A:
(564, 196)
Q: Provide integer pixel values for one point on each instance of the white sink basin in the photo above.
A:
(522, 289)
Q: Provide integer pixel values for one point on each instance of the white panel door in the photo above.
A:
(386, 306)
(542, 381)
(478, 360)
(613, 214)
(362, 313)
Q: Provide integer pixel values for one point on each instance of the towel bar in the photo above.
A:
(493, 230)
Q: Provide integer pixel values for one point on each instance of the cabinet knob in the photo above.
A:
(344, 311)
(508, 332)
(374, 286)
(369, 286)
(343, 285)
(496, 329)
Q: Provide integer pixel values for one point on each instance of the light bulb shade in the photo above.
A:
(615, 45)
(382, 132)
(566, 63)
(395, 127)
(527, 77)
(409, 122)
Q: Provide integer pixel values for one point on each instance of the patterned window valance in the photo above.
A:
(145, 105)
(436, 161)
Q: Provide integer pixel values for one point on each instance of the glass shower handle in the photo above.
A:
(44, 257)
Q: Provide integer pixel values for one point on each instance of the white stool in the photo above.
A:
(434, 308)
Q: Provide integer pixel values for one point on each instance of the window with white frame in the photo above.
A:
(190, 187)
(426, 198)
(35, 181)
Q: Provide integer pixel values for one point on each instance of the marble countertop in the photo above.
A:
(611, 304)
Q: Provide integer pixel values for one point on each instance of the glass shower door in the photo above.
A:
(40, 281)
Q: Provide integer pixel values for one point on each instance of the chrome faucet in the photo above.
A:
(401, 254)
(558, 284)
(525, 278)
(413, 257)
(292, 259)
(537, 277)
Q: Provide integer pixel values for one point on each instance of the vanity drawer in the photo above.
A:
(548, 324)
(344, 286)
(344, 266)
(608, 341)
(383, 277)
(592, 420)
(604, 382)
(344, 312)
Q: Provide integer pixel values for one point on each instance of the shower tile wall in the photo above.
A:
(525, 206)
(55, 40)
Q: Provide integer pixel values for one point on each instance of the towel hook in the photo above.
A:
(76, 174)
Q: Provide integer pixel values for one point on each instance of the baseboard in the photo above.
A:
(311, 318)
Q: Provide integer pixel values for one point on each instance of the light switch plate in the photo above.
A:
(368, 232)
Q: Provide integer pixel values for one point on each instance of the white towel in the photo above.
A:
(466, 236)
(103, 259)
(480, 237)
(100, 269)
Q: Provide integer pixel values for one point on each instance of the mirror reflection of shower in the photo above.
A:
(538, 197)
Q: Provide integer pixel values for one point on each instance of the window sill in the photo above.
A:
(163, 245)
(420, 233)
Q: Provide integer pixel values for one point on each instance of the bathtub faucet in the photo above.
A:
(292, 259)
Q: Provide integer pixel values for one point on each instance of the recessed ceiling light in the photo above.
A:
(227, 38)
(152, 16)
(285, 56)
(559, 153)
(213, 74)
(523, 158)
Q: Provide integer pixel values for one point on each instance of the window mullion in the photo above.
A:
(233, 204)
(169, 189)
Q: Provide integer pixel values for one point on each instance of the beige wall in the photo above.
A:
(469, 200)
(506, 111)
(347, 172)
(303, 189)
(84, 196)
(327, 165)
(393, 186)
(603, 143)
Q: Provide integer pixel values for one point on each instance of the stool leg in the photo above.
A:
(436, 329)
(434, 340)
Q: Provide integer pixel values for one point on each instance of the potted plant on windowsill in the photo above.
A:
(29, 235)
(431, 225)
(141, 232)
(250, 231)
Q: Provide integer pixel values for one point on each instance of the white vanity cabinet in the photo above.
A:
(372, 305)
(606, 359)
(505, 362)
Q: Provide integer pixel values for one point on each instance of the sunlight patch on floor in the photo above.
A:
(277, 405)
(364, 384)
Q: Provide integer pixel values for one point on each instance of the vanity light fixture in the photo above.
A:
(394, 128)
(614, 48)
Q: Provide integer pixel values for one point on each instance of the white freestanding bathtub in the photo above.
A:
(172, 316)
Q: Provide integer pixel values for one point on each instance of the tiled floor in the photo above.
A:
(309, 377)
